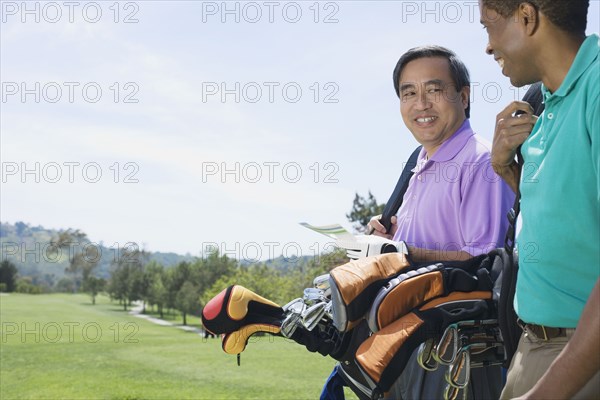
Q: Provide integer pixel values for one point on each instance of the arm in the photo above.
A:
(484, 202)
(415, 253)
(511, 131)
(426, 255)
(376, 228)
(578, 361)
(511, 174)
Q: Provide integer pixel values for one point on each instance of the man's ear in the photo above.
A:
(465, 94)
(529, 17)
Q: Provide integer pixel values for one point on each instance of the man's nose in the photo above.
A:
(489, 50)
(423, 101)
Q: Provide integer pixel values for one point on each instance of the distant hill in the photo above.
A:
(282, 263)
(28, 247)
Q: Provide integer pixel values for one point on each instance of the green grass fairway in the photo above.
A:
(61, 347)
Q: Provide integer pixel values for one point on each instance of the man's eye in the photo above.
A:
(434, 90)
(407, 94)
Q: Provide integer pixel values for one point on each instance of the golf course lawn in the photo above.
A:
(60, 346)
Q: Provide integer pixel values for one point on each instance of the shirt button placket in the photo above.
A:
(550, 121)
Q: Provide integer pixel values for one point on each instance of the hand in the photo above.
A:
(377, 229)
(511, 132)
(367, 246)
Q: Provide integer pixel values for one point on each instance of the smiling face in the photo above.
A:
(508, 41)
(431, 106)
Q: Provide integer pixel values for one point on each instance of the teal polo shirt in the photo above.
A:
(559, 242)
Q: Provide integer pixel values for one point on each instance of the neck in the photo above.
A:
(431, 148)
(430, 151)
(556, 59)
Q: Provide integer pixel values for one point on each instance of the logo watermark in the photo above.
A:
(70, 332)
(252, 12)
(254, 252)
(52, 252)
(269, 171)
(53, 12)
(69, 171)
(452, 12)
(69, 92)
(269, 92)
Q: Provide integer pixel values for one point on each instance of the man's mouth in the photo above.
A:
(425, 120)
(500, 62)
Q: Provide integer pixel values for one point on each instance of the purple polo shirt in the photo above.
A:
(455, 200)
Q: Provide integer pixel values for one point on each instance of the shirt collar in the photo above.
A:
(452, 146)
(586, 55)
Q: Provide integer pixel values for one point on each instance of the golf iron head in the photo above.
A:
(321, 282)
(447, 348)
(313, 315)
(290, 324)
(293, 310)
(425, 356)
(460, 370)
(453, 393)
(314, 295)
(296, 306)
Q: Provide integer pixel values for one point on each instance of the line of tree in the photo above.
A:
(8, 276)
(187, 286)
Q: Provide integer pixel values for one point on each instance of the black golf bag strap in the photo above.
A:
(513, 214)
(395, 201)
(507, 317)
(535, 98)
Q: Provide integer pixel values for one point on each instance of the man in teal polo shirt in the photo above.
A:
(558, 288)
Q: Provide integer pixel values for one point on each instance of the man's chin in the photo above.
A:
(520, 81)
(516, 83)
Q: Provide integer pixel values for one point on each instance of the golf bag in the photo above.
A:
(373, 313)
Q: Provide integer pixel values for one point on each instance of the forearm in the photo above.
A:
(424, 255)
(511, 174)
(578, 361)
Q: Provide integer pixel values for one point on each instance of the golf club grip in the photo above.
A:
(395, 201)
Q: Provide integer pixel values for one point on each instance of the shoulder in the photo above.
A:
(589, 90)
(476, 150)
(590, 79)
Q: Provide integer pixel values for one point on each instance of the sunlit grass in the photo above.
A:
(60, 346)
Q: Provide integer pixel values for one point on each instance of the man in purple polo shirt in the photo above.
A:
(455, 206)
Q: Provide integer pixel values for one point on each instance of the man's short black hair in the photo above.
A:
(458, 70)
(570, 16)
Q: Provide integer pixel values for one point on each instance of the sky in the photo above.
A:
(185, 125)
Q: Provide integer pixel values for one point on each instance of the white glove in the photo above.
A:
(369, 245)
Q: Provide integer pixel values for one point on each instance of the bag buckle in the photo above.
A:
(509, 239)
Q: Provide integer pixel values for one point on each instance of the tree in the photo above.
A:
(117, 285)
(156, 292)
(20, 228)
(214, 267)
(177, 277)
(188, 300)
(127, 282)
(8, 275)
(82, 259)
(24, 285)
(64, 285)
(93, 286)
(362, 211)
